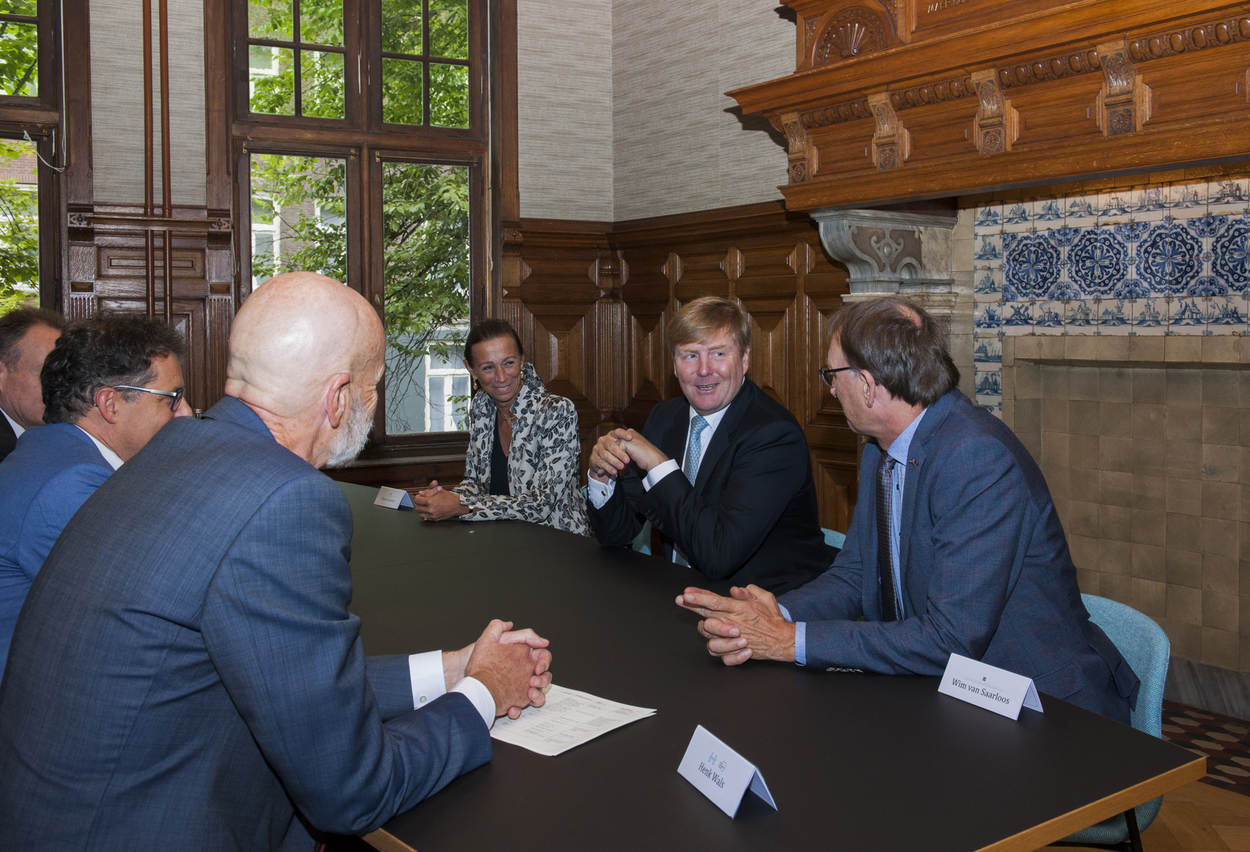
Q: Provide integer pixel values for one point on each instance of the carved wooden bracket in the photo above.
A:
(891, 143)
(1124, 100)
(803, 162)
(996, 126)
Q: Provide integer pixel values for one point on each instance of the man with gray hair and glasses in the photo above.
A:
(108, 385)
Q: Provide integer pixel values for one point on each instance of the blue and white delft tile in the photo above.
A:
(1187, 200)
(1169, 258)
(1149, 316)
(1187, 315)
(1017, 217)
(987, 250)
(995, 409)
(1098, 262)
(1017, 318)
(988, 220)
(987, 350)
(1230, 253)
(1115, 207)
(988, 318)
(1048, 213)
(988, 282)
(1048, 317)
(1031, 265)
(1115, 316)
(1151, 204)
(989, 382)
(1230, 195)
(1226, 314)
(1081, 316)
(1082, 211)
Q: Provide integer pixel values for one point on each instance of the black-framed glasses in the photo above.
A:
(175, 396)
(827, 373)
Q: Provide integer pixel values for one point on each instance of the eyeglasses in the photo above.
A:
(175, 396)
(827, 373)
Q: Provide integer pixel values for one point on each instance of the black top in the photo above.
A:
(863, 761)
(498, 465)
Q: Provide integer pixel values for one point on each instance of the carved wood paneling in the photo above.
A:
(640, 273)
(946, 104)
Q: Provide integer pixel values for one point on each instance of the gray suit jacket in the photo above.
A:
(186, 673)
(986, 571)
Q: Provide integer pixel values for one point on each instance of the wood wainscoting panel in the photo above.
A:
(592, 302)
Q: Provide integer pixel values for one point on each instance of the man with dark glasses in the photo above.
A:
(108, 385)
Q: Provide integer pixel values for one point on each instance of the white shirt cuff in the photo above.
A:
(599, 492)
(476, 691)
(658, 472)
(425, 670)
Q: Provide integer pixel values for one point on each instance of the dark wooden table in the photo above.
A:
(854, 761)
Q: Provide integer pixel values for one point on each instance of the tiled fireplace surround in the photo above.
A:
(1110, 332)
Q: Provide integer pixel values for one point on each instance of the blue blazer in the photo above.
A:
(986, 571)
(750, 516)
(186, 667)
(52, 471)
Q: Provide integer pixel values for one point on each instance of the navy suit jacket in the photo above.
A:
(186, 669)
(7, 439)
(42, 483)
(986, 571)
(750, 516)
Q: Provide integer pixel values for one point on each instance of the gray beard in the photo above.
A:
(351, 438)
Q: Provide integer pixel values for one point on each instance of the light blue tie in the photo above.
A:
(694, 452)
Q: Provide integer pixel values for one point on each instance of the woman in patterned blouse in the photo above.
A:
(523, 446)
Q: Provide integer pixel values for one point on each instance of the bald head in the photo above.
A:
(294, 332)
(301, 346)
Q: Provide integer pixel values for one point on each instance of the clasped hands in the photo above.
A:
(612, 452)
(747, 625)
(435, 503)
(513, 664)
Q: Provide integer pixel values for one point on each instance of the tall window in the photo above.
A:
(30, 150)
(363, 145)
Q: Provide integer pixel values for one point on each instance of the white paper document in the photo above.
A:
(568, 719)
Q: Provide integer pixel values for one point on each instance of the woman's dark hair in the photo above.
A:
(488, 330)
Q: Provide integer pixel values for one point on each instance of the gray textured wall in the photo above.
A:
(623, 111)
(117, 98)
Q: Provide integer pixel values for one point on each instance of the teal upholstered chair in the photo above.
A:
(1145, 646)
(642, 541)
(833, 538)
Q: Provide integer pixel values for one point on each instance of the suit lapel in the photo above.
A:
(728, 426)
(917, 456)
(7, 439)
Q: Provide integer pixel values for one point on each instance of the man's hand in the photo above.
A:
(748, 625)
(608, 456)
(641, 451)
(435, 503)
(513, 664)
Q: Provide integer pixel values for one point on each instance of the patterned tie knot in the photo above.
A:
(694, 452)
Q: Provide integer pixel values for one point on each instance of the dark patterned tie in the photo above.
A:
(885, 568)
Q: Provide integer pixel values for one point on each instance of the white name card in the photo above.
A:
(393, 498)
(720, 773)
(993, 688)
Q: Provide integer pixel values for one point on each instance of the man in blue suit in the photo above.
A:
(186, 674)
(27, 335)
(108, 385)
(973, 559)
(723, 473)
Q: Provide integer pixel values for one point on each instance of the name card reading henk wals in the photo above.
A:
(986, 686)
(720, 773)
(393, 498)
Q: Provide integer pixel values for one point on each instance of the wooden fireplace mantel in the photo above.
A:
(895, 100)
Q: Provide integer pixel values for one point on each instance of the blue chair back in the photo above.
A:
(642, 541)
(1145, 646)
(833, 538)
